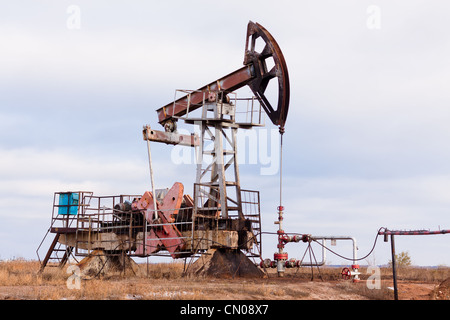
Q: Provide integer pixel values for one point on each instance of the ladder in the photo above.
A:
(53, 254)
(66, 208)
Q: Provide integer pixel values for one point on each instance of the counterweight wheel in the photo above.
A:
(263, 75)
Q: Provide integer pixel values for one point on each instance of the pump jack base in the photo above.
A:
(224, 263)
(99, 263)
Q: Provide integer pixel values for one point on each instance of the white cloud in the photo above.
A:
(29, 177)
(367, 127)
(39, 173)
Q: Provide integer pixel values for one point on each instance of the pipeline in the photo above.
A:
(294, 263)
(412, 232)
(281, 260)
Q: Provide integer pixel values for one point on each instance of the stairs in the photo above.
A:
(54, 254)
(66, 209)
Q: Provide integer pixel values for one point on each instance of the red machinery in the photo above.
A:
(218, 215)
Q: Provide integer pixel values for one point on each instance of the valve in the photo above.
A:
(266, 263)
(355, 272)
(280, 259)
(291, 263)
(280, 210)
(348, 273)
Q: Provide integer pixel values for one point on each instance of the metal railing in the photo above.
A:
(109, 223)
(246, 110)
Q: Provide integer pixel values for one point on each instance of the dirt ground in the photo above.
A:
(224, 289)
(20, 280)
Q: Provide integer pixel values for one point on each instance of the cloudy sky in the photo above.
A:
(367, 135)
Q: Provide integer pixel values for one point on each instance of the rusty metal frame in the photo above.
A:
(100, 220)
(254, 74)
(170, 137)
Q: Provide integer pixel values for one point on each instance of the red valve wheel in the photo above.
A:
(346, 274)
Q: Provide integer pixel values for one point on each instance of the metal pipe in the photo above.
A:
(155, 214)
(281, 257)
(285, 238)
(387, 232)
(412, 232)
(355, 248)
(394, 272)
(323, 238)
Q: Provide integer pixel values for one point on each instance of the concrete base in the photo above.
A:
(99, 263)
(224, 263)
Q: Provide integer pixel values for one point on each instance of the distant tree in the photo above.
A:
(402, 259)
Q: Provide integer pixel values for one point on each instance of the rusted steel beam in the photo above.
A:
(63, 230)
(412, 232)
(194, 100)
(66, 256)
(191, 140)
(255, 74)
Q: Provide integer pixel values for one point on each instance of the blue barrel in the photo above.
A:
(68, 203)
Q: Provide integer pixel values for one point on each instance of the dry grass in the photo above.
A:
(20, 279)
(422, 274)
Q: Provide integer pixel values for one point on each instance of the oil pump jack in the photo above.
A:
(221, 215)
